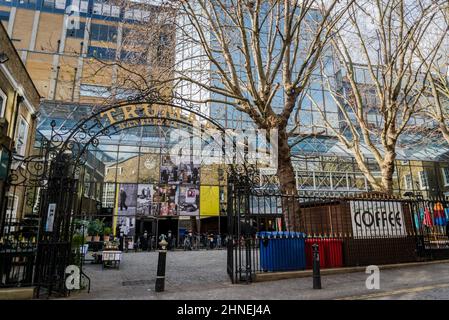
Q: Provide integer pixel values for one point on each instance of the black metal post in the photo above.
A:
(316, 267)
(122, 241)
(160, 278)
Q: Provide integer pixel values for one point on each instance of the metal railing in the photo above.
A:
(351, 231)
(18, 246)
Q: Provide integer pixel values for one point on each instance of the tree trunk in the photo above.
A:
(287, 181)
(445, 131)
(387, 170)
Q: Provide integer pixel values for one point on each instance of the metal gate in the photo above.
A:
(393, 230)
(35, 248)
(242, 245)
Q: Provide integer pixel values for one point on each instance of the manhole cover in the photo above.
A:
(137, 283)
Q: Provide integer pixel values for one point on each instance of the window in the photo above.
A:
(87, 185)
(60, 4)
(77, 33)
(133, 57)
(83, 5)
(4, 16)
(163, 45)
(87, 90)
(423, 180)
(108, 195)
(445, 176)
(11, 213)
(98, 191)
(2, 103)
(54, 4)
(101, 53)
(28, 3)
(112, 170)
(102, 32)
(105, 9)
(408, 182)
(22, 137)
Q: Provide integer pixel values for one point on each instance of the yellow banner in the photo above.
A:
(209, 201)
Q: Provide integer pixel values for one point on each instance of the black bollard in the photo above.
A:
(316, 267)
(160, 277)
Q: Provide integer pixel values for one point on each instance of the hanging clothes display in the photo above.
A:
(419, 217)
(427, 218)
(439, 215)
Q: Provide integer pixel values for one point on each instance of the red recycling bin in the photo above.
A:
(309, 252)
(331, 252)
(334, 253)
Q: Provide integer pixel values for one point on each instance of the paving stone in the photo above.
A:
(202, 275)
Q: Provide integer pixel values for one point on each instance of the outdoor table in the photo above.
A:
(111, 258)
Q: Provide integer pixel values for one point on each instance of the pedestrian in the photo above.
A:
(152, 242)
(123, 199)
(195, 173)
(169, 240)
(144, 241)
(212, 241)
(173, 246)
(198, 240)
(218, 241)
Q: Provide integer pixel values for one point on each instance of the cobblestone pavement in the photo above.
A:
(202, 275)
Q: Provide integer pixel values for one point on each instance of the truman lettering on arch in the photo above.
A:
(140, 115)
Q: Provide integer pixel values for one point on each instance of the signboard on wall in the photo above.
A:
(50, 217)
(377, 219)
(209, 201)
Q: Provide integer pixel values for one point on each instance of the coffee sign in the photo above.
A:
(377, 219)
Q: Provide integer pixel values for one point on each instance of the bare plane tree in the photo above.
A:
(435, 103)
(383, 80)
(257, 57)
(438, 108)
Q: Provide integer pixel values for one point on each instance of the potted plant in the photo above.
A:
(106, 233)
(78, 247)
(81, 227)
(77, 241)
(94, 229)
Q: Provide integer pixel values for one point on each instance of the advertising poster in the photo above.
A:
(209, 201)
(144, 199)
(172, 200)
(169, 173)
(165, 200)
(189, 173)
(189, 198)
(127, 205)
(377, 219)
(186, 173)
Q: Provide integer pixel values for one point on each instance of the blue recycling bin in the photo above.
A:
(281, 251)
